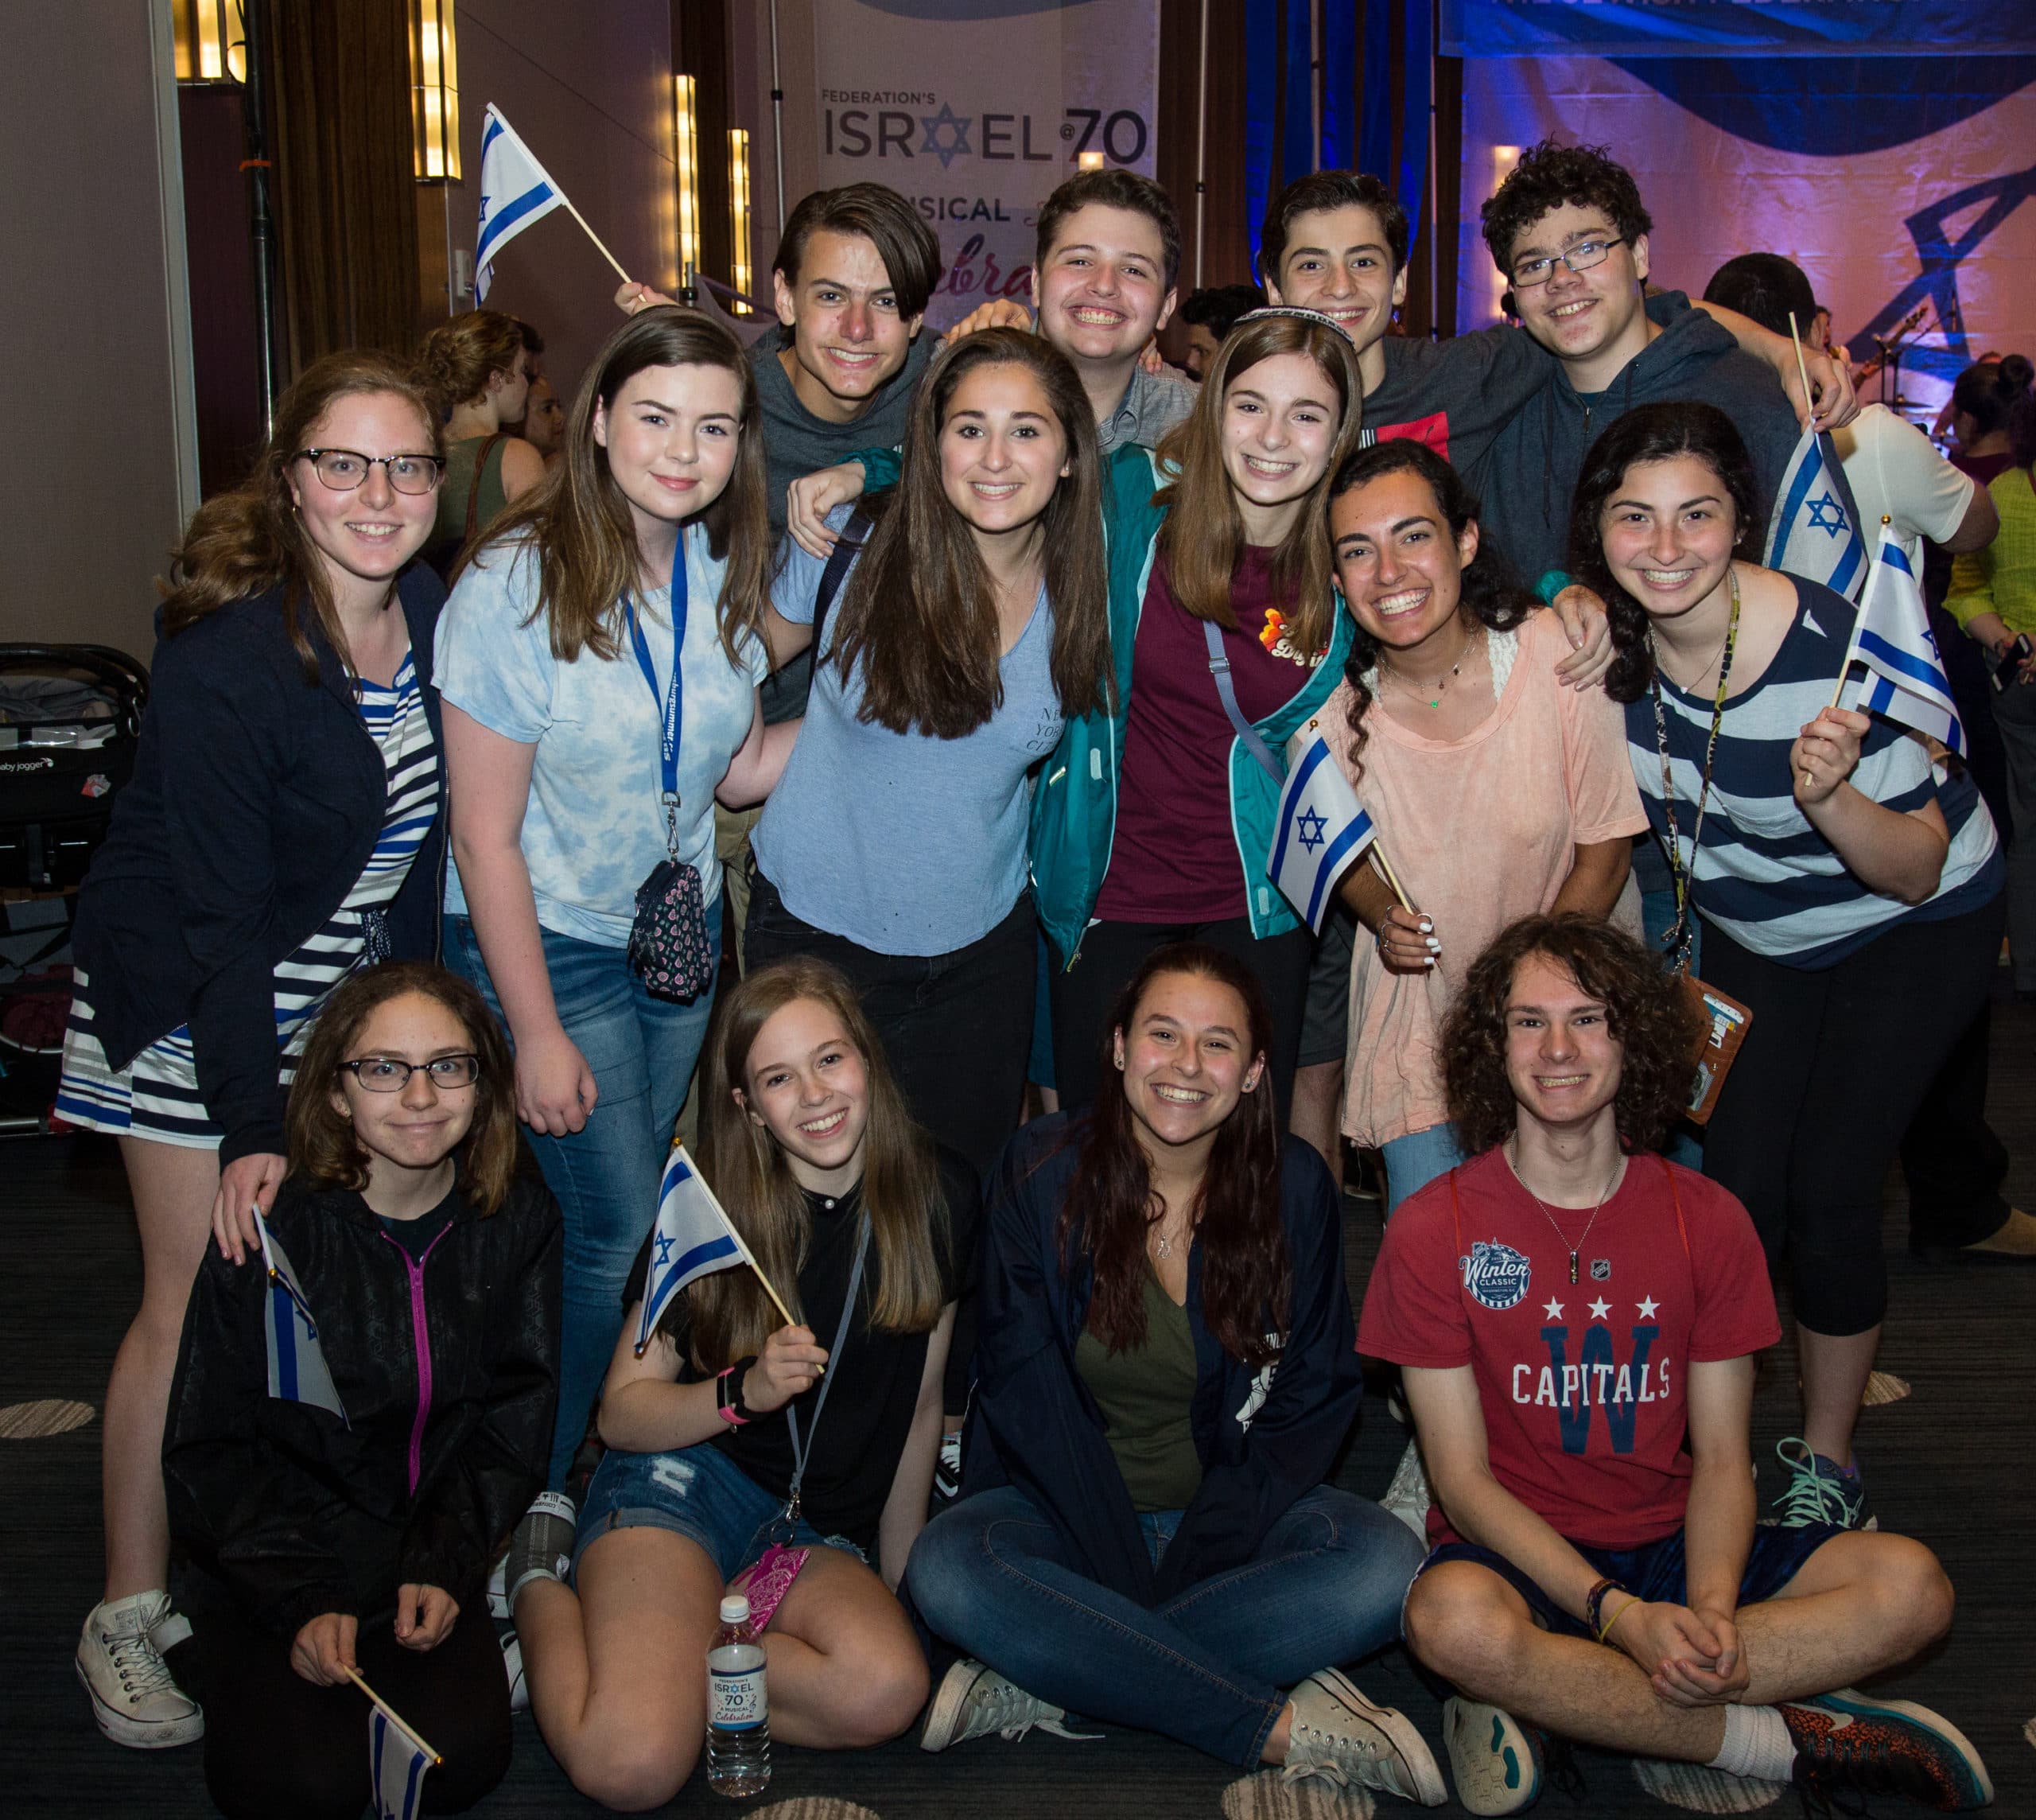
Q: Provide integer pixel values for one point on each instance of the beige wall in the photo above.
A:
(99, 463)
(588, 87)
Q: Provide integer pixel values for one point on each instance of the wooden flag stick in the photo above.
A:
(1802, 371)
(1392, 877)
(748, 1257)
(394, 1717)
(596, 240)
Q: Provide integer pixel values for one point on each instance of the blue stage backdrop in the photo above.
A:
(1887, 146)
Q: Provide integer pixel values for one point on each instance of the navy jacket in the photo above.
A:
(449, 1374)
(256, 800)
(1265, 1436)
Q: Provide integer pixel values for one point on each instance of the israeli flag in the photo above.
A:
(693, 1239)
(1321, 831)
(1905, 679)
(515, 193)
(396, 1764)
(297, 1372)
(1815, 531)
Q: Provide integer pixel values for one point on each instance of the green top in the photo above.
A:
(450, 529)
(2002, 577)
(1144, 1395)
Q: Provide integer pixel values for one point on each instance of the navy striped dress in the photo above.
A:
(157, 1094)
(1764, 875)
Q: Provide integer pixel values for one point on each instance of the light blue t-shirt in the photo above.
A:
(905, 844)
(595, 826)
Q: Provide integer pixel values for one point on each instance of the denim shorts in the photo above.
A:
(1657, 1571)
(697, 1492)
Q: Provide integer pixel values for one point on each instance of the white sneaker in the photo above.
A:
(1492, 1758)
(1340, 1735)
(512, 1665)
(498, 1587)
(1407, 1497)
(973, 1700)
(135, 1696)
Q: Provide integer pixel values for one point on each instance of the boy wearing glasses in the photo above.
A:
(1569, 231)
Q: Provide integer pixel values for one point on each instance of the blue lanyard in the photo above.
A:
(670, 707)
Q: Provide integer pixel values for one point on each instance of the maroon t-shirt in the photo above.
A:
(1175, 858)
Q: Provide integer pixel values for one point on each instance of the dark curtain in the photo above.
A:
(343, 184)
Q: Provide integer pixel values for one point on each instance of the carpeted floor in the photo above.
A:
(1949, 1463)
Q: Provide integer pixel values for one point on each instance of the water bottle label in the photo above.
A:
(735, 1701)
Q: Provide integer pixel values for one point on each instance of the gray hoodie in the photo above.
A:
(1531, 475)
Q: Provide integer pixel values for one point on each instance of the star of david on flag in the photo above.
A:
(1905, 679)
(693, 1239)
(1815, 531)
(515, 193)
(396, 1764)
(1321, 830)
(297, 1372)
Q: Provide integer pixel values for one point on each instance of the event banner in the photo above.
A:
(1737, 27)
(1906, 188)
(976, 109)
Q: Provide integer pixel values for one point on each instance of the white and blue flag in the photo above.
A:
(1321, 830)
(693, 1239)
(297, 1372)
(1815, 532)
(396, 1764)
(1905, 679)
(515, 192)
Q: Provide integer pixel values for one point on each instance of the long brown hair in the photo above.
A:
(322, 1144)
(730, 1315)
(251, 539)
(1247, 1281)
(458, 358)
(1202, 540)
(920, 611)
(579, 521)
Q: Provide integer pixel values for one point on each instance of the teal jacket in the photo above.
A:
(1074, 804)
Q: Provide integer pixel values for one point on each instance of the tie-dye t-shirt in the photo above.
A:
(595, 826)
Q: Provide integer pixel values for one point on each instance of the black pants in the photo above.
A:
(1834, 1067)
(275, 1744)
(1111, 953)
(956, 1028)
(1954, 1162)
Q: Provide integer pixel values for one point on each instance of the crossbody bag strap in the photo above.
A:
(848, 546)
(1219, 670)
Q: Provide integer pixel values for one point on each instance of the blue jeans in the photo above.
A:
(992, 1576)
(642, 1050)
(1414, 1161)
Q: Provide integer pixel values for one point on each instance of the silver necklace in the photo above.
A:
(1441, 687)
(1512, 1164)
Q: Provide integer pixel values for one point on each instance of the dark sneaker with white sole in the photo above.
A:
(1847, 1740)
(135, 1698)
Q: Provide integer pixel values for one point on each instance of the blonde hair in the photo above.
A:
(730, 1315)
(459, 357)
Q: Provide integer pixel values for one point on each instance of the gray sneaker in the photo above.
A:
(135, 1696)
(1340, 1735)
(542, 1548)
(973, 1700)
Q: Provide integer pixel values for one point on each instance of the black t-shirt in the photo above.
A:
(417, 1236)
(854, 1456)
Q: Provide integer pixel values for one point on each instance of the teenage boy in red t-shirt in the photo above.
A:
(1577, 1318)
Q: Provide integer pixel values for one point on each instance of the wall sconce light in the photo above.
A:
(685, 172)
(211, 45)
(1504, 158)
(434, 93)
(1088, 161)
(739, 207)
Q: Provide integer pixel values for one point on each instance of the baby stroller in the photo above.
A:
(70, 717)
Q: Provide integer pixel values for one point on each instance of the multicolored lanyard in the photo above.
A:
(672, 705)
(1683, 935)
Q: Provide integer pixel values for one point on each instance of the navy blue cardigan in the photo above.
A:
(256, 800)
(1035, 1426)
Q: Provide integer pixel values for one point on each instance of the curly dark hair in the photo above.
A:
(1654, 433)
(1549, 177)
(1247, 1277)
(1655, 1025)
(1490, 594)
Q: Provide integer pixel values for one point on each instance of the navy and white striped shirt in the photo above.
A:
(1765, 876)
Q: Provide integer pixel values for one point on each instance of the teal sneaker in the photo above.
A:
(1820, 1491)
(1847, 1740)
(1493, 1759)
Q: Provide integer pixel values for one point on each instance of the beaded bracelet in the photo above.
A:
(1594, 1601)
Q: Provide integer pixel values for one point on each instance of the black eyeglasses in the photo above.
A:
(1579, 257)
(388, 1074)
(344, 470)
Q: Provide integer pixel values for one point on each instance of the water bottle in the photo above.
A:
(738, 1715)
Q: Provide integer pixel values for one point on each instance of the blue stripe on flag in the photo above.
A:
(1296, 785)
(710, 1252)
(499, 223)
(491, 133)
(1330, 866)
(1785, 516)
(1932, 678)
(283, 1327)
(1841, 577)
